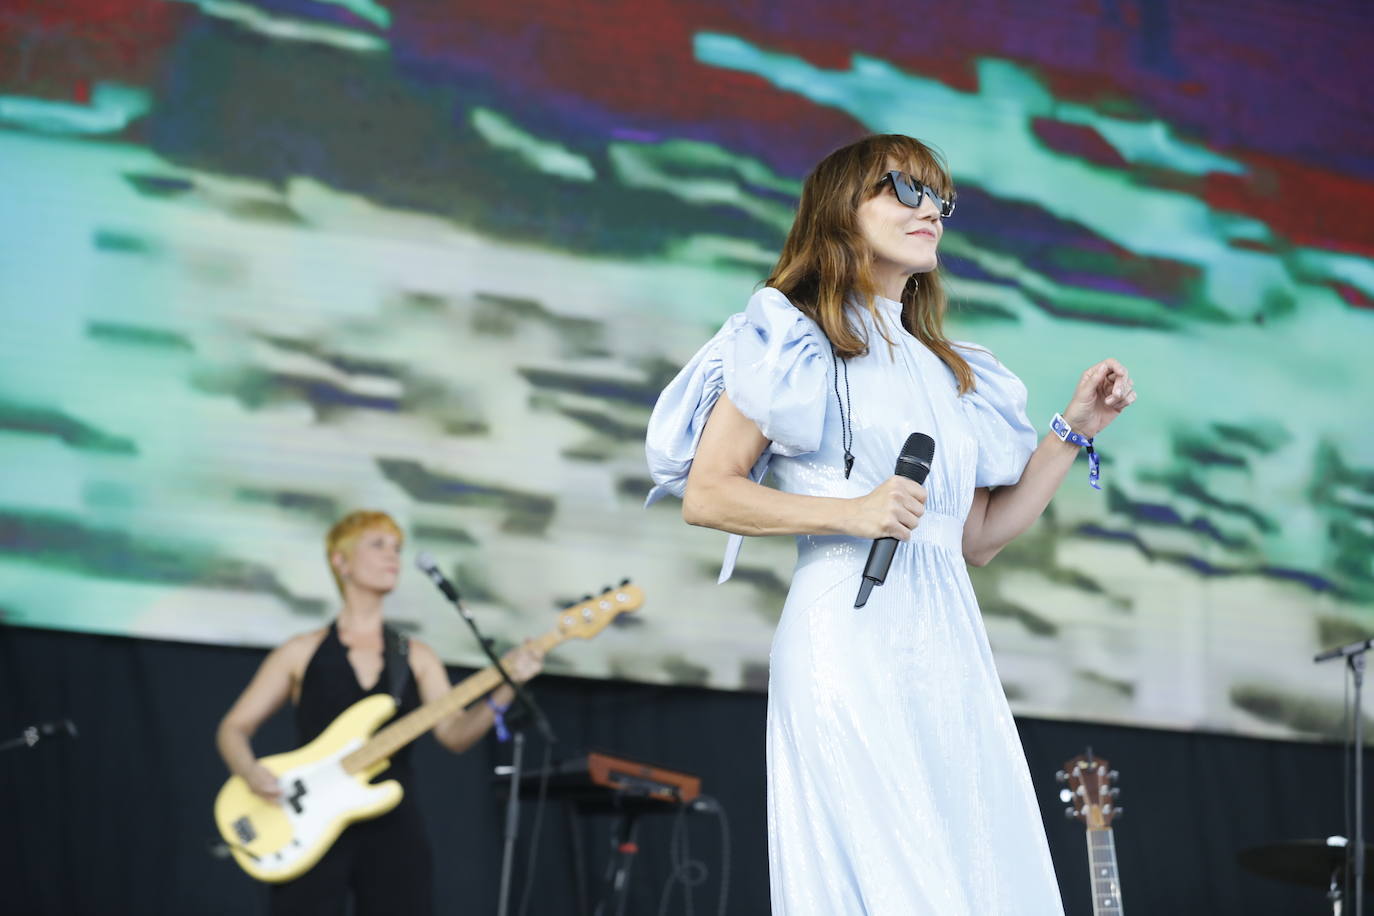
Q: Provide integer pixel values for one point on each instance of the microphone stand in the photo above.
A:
(521, 696)
(517, 746)
(517, 739)
(1354, 655)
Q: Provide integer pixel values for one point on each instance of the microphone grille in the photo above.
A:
(919, 447)
(424, 562)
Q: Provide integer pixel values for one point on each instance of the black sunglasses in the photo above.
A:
(911, 192)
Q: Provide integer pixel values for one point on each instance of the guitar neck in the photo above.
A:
(1102, 870)
(414, 724)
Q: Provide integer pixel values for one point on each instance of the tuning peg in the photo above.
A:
(605, 589)
(564, 605)
(1061, 777)
(1113, 776)
(1070, 813)
(625, 581)
(586, 598)
(1114, 793)
(1118, 811)
(1066, 795)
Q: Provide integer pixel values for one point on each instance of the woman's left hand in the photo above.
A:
(524, 661)
(1102, 393)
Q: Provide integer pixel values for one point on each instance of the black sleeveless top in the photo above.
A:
(330, 685)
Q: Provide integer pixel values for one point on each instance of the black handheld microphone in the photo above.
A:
(425, 563)
(913, 464)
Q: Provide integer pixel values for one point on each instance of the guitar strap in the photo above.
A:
(397, 661)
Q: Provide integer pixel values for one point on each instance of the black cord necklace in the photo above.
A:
(846, 411)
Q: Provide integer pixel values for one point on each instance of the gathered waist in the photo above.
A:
(945, 532)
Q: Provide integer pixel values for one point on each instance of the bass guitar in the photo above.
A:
(327, 784)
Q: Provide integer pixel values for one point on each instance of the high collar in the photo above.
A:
(889, 307)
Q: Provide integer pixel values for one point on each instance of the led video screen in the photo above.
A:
(262, 263)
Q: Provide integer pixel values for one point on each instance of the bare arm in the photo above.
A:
(720, 494)
(999, 516)
(269, 690)
(462, 730)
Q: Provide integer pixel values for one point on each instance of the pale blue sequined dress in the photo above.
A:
(896, 781)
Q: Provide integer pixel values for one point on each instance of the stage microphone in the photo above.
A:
(425, 563)
(913, 464)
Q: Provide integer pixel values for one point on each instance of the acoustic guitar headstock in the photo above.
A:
(1089, 789)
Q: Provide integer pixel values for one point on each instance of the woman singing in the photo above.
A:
(897, 782)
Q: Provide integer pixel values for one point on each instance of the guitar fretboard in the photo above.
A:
(414, 724)
(1102, 864)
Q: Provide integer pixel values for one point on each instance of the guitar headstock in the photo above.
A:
(1088, 787)
(591, 615)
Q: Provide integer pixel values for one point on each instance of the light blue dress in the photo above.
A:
(896, 780)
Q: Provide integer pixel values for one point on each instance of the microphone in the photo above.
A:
(425, 563)
(35, 733)
(913, 464)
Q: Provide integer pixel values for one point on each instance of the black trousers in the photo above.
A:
(384, 864)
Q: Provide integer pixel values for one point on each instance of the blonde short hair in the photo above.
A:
(348, 529)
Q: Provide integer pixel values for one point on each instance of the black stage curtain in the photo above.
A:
(118, 820)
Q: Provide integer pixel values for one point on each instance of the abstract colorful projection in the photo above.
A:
(264, 262)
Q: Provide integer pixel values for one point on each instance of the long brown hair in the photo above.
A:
(825, 260)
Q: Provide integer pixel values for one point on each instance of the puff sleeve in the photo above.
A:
(996, 409)
(774, 363)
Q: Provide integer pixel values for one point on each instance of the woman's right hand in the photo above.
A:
(892, 510)
(263, 782)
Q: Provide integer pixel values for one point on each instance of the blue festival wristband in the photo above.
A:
(502, 732)
(1061, 429)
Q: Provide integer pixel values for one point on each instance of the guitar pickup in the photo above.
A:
(243, 829)
(298, 791)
